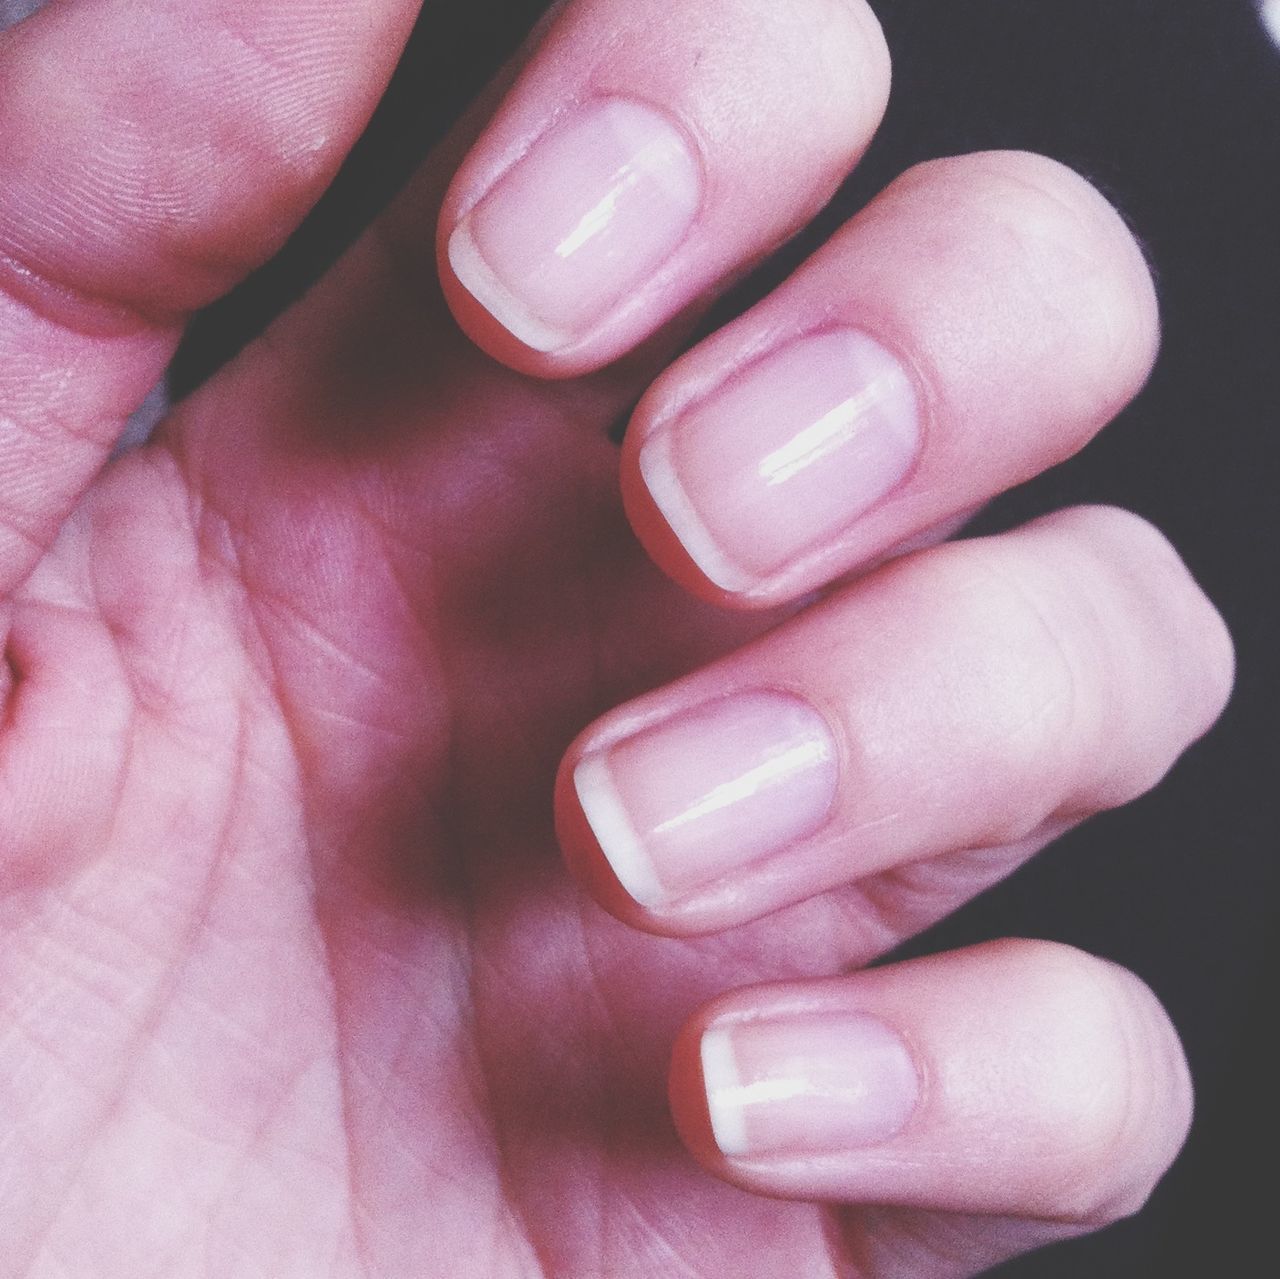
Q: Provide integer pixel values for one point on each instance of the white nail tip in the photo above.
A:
(618, 840)
(478, 279)
(723, 1086)
(672, 500)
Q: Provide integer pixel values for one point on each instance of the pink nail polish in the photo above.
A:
(594, 208)
(708, 792)
(785, 456)
(815, 1084)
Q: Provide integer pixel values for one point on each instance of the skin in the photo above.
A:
(292, 979)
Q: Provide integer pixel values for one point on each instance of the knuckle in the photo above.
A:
(1124, 531)
(1053, 231)
(1176, 623)
(863, 37)
(1104, 660)
(850, 24)
(1022, 188)
(801, 83)
(846, 64)
(1116, 1100)
(1037, 690)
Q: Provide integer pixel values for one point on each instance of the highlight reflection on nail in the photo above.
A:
(710, 791)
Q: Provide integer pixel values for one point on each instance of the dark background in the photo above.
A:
(1173, 108)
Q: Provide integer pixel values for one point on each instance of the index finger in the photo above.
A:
(646, 153)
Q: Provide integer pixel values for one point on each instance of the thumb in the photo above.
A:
(150, 156)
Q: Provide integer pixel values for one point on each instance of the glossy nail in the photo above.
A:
(813, 1084)
(595, 207)
(785, 456)
(708, 792)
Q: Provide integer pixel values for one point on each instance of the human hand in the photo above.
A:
(293, 982)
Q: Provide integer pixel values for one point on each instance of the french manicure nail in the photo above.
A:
(593, 209)
(813, 1084)
(785, 456)
(679, 805)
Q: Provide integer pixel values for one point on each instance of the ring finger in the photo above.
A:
(978, 695)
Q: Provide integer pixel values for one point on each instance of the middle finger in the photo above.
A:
(977, 323)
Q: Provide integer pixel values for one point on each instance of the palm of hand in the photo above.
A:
(293, 693)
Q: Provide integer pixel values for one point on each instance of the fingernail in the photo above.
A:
(806, 1085)
(594, 208)
(785, 456)
(712, 790)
